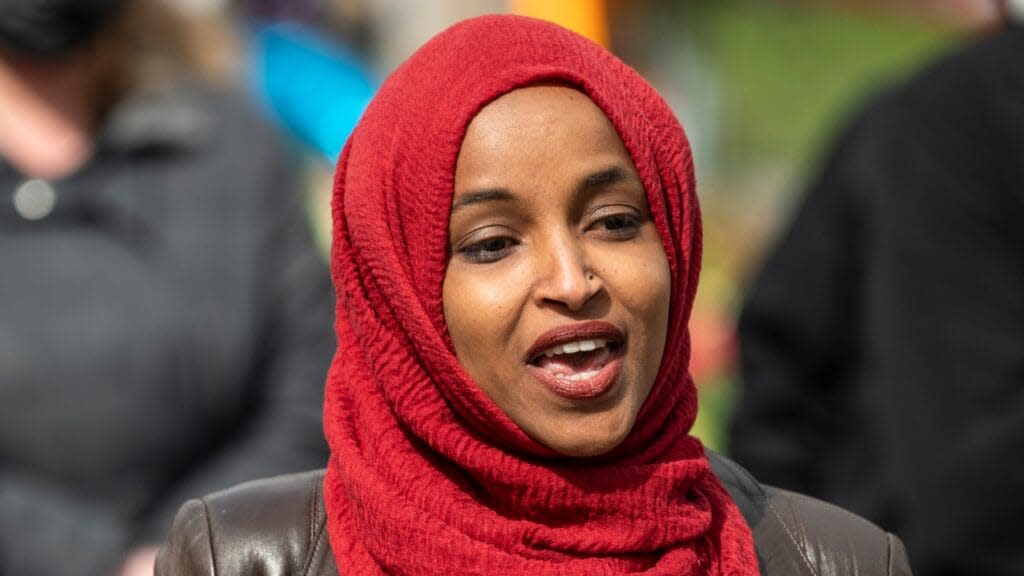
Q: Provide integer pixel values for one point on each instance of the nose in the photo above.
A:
(563, 275)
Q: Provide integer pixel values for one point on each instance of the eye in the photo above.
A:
(619, 222)
(617, 225)
(489, 249)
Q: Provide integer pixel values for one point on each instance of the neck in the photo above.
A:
(47, 113)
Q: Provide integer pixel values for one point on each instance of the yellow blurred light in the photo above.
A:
(586, 17)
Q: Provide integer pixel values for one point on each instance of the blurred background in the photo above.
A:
(761, 87)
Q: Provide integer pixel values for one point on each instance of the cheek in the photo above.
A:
(658, 311)
(660, 287)
(642, 279)
(479, 310)
(643, 285)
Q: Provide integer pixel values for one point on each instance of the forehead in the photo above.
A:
(518, 107)
(535, 130)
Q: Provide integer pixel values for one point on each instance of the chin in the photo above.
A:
(599, 438)
(587, 450)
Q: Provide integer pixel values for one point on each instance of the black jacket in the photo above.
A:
(165, 330)
(278, 526)
(883, 343)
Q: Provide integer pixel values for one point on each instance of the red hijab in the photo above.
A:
(427, 475)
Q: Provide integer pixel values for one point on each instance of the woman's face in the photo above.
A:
(557, 290)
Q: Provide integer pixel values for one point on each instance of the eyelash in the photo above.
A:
(477, 253)
(629, 223)
(481, 253)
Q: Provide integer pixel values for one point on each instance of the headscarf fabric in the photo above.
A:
(427, 475)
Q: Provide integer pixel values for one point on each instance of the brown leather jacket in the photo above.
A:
(277, 527)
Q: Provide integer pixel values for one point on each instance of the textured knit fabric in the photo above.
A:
(426, 473)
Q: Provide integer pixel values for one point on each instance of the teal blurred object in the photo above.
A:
(313, 86)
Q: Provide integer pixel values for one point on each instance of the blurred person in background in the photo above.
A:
(165, 318)
(882, 344)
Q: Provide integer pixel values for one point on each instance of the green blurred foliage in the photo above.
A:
(790, 73)
(788, 76)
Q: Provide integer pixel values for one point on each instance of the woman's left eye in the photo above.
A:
(619, 225)
(620, 221)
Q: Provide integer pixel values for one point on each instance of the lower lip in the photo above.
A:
(580, 389)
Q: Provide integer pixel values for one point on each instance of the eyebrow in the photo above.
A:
(481, 196)
(610, 175)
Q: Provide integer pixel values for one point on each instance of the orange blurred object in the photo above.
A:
(586, 17)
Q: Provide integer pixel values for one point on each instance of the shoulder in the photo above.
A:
(183, 115)
(797, 534)
(272, 526)
(278, 525)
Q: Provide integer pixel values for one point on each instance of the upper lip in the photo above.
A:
(572, 333)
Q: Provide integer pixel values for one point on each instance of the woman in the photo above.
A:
(165, 322)
(516, 251)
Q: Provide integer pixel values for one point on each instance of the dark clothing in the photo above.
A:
(164, 332)
(883, 343)
(277, 526)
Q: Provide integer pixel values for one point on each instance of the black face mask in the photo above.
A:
(48, 28)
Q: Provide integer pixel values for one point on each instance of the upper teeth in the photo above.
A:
(573, 347)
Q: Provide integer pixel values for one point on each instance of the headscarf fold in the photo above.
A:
(427, 475)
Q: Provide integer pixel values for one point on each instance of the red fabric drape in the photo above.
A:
(427, 475)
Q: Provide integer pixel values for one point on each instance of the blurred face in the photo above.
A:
(557, 289)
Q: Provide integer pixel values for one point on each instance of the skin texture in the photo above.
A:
(550, 226)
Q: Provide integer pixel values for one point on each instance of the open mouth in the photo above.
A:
(578, 361)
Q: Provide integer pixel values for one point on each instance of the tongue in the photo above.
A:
(569, 364)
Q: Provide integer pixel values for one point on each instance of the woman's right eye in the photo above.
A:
(489, 250)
